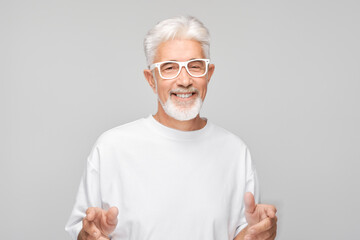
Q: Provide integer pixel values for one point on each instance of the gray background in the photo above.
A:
(286, 81)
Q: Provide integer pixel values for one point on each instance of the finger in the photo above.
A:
(89, 237)
(91, 229)
(85, 236)
(272, 237)
(271, 211)
(249, 202)
(111, 216)
(92, 212)
(262, 226)
(268, 234)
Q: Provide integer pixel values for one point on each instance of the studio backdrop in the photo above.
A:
(286, 81)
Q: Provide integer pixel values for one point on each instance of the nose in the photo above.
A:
(184, 79)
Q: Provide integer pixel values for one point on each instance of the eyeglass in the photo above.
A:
(172, 69)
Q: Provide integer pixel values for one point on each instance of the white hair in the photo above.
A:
(182, 27)
(182, 111)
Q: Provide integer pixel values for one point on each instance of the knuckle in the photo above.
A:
(273, 208)
(267, 235)
(268, 222)
(88, 211)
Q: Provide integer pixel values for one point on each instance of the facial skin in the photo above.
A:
(179, 50)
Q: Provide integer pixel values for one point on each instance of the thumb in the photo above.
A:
(249, 203)
(111, 216)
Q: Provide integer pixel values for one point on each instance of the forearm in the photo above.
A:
(241, 234)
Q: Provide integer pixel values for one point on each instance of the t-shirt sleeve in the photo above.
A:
(88, 194)
(251, 185)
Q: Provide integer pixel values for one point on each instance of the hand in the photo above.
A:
(98, 223)
(261, 219)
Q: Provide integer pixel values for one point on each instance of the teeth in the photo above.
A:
(184, 95)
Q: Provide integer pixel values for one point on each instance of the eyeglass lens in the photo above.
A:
(171, 69)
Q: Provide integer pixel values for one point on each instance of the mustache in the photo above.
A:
(184, 90)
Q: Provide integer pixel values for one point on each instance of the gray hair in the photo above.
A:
(182, 27)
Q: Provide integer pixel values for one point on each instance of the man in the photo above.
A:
(173, 175)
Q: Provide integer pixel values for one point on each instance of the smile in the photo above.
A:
(183, 96)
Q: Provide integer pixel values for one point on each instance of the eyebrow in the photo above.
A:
(185, 61)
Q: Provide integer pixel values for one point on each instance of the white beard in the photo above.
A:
(180, 111)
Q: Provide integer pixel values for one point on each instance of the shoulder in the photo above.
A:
(233, 147)
(225, 135)
(121, 132)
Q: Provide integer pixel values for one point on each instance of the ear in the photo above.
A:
(150, 79)
(210, 71)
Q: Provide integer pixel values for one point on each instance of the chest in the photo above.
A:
(162, 193)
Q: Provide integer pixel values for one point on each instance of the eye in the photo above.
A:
(196, 65)
(169, 67)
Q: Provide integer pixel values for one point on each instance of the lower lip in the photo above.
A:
(184, 99)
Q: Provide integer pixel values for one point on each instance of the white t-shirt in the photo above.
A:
(167, 183)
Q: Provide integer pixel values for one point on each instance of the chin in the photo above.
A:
(181, 112)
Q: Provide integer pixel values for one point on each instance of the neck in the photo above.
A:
(189, 125)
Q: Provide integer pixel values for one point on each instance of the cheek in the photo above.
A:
(203, 89)
(163, 91)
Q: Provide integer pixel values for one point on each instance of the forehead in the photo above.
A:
(178, 50)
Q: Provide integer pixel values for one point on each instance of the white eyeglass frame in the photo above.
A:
(181, 64)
